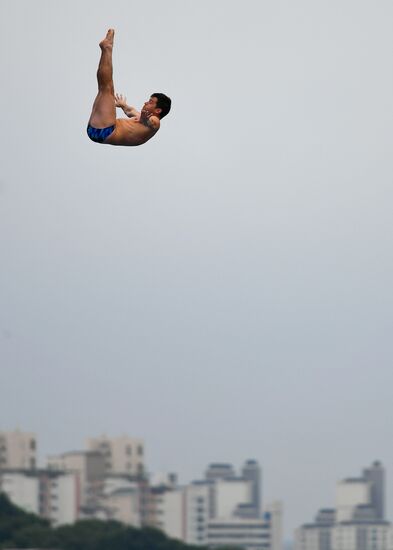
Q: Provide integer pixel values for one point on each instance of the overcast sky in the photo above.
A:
(225, 290)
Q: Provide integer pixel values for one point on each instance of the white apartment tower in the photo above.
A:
(51, 495)
(18, 450)
(123, 455)
(199, 498)
(21, 489)
(350, 494)
(229, 495)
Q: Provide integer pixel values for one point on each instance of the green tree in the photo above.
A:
(14, 520)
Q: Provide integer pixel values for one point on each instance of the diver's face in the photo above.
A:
(151, 106)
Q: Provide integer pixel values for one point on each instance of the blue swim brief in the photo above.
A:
(99, 135)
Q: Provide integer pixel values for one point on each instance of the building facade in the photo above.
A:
(250, 534)
(51, 495)
(375, 535)
(198, 511)
(18, 450)
(89, 468)
(123, 455)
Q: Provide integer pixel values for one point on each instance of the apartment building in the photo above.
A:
(123, 455)
(199, 501)
(18, 450)
(51, 495)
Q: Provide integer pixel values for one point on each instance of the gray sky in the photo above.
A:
(224, 291)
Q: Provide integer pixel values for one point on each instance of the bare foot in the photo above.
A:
(108, 40)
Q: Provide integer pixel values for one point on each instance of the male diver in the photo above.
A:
(139, 127)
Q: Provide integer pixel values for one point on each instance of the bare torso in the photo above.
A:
(129, 131)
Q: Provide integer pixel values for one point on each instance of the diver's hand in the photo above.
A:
(120, 101)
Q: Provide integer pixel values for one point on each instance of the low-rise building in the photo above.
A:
(249, 534)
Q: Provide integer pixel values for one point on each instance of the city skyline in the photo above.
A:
(213, 470)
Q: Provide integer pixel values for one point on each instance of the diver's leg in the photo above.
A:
(104, 109)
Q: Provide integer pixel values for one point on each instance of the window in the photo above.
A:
(140, 450)
(128, 450)
(32, 444)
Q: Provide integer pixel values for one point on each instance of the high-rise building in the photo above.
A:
(230, 495)
(375, 475)
(18, 450)
(198, 502)
(123, 455)
(167, 511)
(252, 472)
(351, 493)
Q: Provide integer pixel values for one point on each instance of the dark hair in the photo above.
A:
(164, 103)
